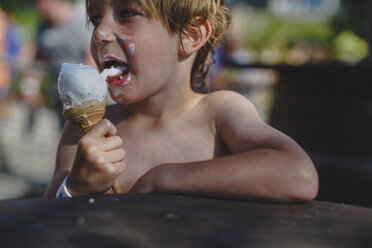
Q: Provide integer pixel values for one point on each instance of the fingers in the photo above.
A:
(110, 172)
(111, 143)
(113, 156)
(121, 166)
(97, 150)
(102, 128)
(99, 145)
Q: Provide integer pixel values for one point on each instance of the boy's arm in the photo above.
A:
(65, 158)
(265, 165)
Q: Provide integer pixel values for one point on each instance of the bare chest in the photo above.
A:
(182, 143)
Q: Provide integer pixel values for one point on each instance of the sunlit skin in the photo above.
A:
(163, 137)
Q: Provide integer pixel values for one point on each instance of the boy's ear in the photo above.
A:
(192, 40)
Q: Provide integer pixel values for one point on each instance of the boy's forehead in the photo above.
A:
(93, 6)
(146, 5)
(112, 2)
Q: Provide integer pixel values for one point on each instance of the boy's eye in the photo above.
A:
(127, 13)
(95, 19)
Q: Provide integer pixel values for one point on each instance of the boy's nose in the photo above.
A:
(103, 35)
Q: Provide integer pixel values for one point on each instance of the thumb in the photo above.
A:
(102, 128)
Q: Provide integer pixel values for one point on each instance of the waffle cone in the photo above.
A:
(86, 115)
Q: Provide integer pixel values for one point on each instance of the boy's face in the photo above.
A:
(141, 47)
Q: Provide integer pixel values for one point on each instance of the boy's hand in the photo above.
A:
(98, 162)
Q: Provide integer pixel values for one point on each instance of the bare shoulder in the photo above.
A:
(226, 104)
(238, 123)
(222, 98)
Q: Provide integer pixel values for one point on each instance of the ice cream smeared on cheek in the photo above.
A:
(126, 37)
(131, 46)
(131, 49)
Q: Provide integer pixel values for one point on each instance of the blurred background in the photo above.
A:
(305, 64)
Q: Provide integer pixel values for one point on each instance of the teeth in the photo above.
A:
(116, 68)
(121, 68)
(110, 73)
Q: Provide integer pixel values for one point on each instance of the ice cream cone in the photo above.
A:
(83, 91)
(86, 115)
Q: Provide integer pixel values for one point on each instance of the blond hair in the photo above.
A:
(178, 17)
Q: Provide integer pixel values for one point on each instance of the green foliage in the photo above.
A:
(350, 48)
(27, 16)
(17, 6)
(285, 32)
(262, 33)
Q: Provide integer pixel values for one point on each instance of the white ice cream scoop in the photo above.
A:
(79, 83)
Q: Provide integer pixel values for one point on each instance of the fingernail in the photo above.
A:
(108, 123)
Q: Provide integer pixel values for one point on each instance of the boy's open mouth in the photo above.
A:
(116, 73)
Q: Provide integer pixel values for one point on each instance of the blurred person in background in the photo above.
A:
(9, 50)
(62, 38)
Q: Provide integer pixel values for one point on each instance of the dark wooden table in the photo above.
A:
(180, 221)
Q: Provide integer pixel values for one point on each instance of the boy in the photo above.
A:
(163, 136)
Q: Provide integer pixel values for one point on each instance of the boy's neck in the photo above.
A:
(173, 99)
(170, 102)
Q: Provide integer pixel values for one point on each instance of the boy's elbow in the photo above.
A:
(306, 192)
(307, 186)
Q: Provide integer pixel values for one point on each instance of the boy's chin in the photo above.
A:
(120, 98)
